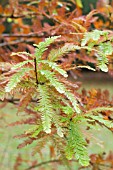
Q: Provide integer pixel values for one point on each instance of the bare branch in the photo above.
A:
(23, 35)
(11, 43)
(12, 16)
(43, 163)
(47, 162)
(16, 100)
(14, 42)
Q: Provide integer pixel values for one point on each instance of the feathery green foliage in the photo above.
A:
(56, 104)
(45, 107)
(73, 100)
(55, 67)
(21, 64)
(60, 88)
(99, 110)
(68, 110)
(99, 119)
(16, 78)
(95, 116)
(103, 49)
(56, 120)
(42, 46)
(76, 144)
(36, 130)
(55, 54)
(102, 62)
(53, 80)
(106, 48)
(94, 35)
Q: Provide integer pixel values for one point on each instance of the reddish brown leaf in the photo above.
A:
(25, 100)
(25, 143)
(1, 9)
(2, 28)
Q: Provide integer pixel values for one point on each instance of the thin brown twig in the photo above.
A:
(36, 71)
(43, 163)
(31, 14)
(12, 16)
(16, 100)
(23, 35)
(13, 42)
(47, 162)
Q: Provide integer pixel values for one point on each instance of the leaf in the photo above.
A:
(60, 131)
(36, 130)
(24, 55)
(45, 107)
(102, 62)
(25, 100)
(73, 100)
(55, 67)
(94, 115)
(56, 54)
(25, 143)
(99, 118)
(79, 3)
(21, 64)
(106, 48)
(21, 53)
(103, 67)
(5, 66)
(16, 78)
(87, 67)
(89, 17)
(67, 110)
(1, 9)
(94, 35)
(61, 88)
(76, 144)
(99, 109)
(42, 46)
(53, 80)
(78, 27)
(56, 120)
(2, 28)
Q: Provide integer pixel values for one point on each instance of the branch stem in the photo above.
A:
(47, 162)
(36, 72)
